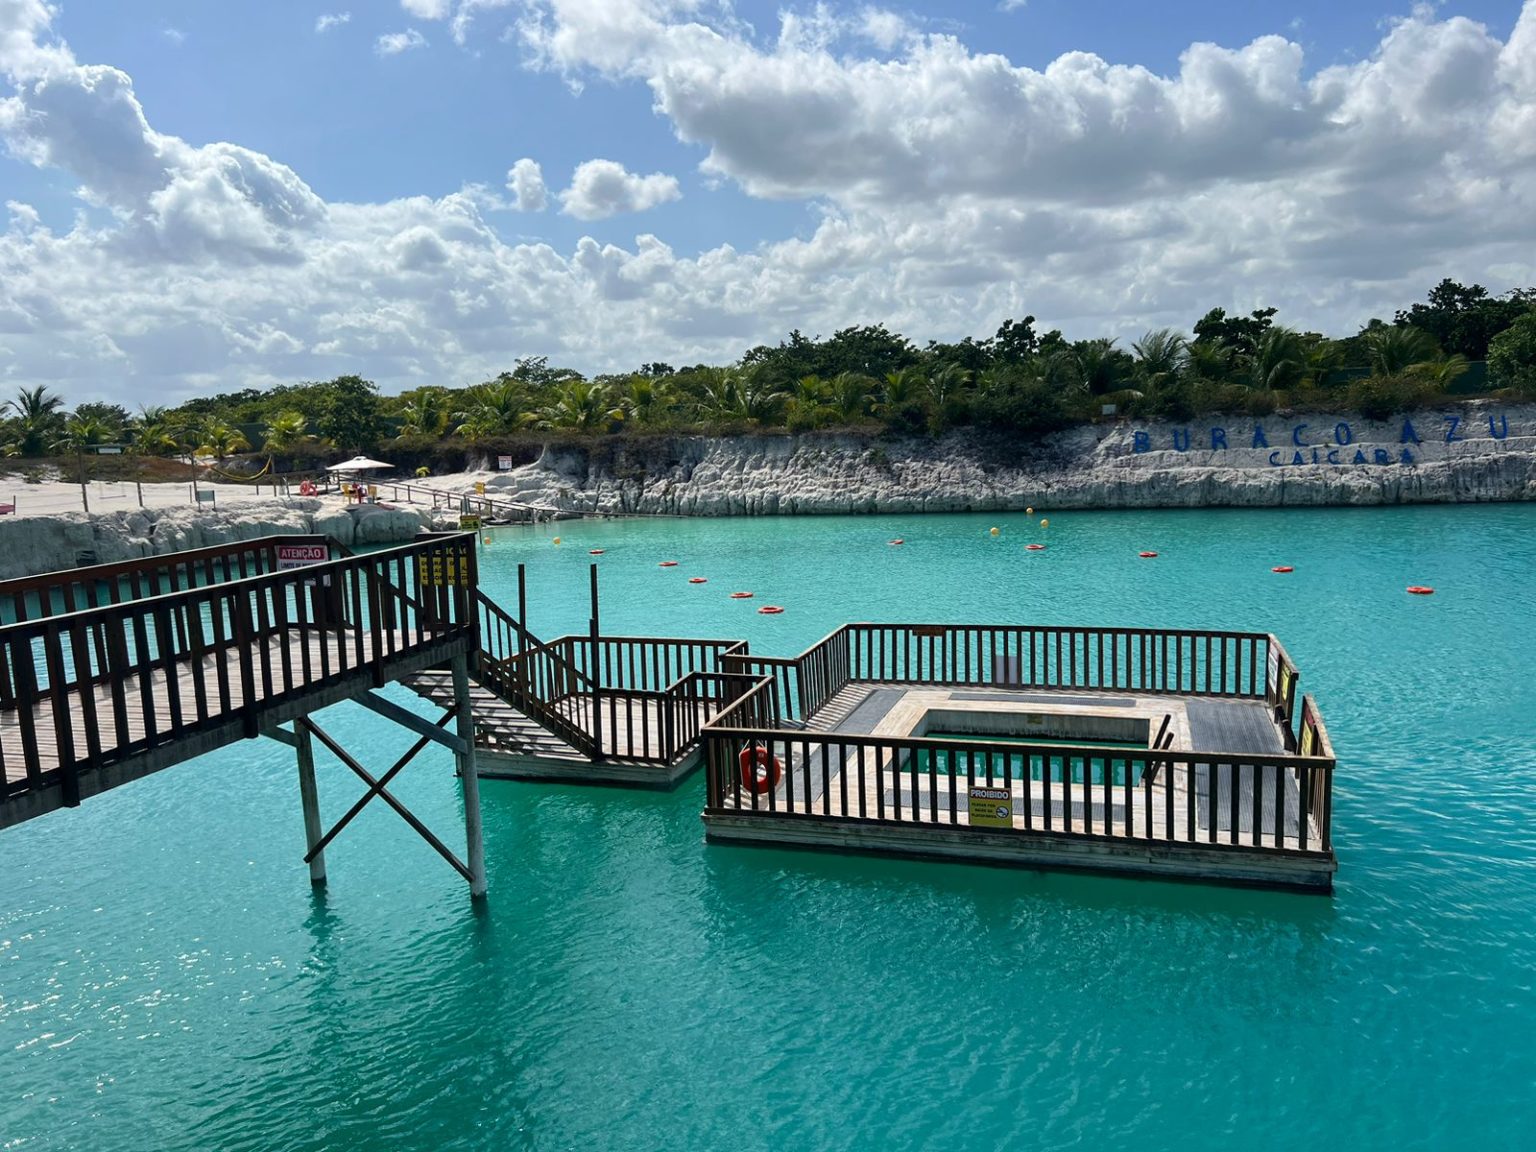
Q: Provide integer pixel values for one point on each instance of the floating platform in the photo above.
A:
(1181, 755)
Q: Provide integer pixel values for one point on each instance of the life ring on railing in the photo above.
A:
(1420, 590)
(759, 772)
(770, 610)
(308, 488)
(741, 595)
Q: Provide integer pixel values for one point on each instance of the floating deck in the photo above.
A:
(1151, 753)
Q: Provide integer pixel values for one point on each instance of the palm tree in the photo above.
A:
(153, 432)
(496, 408)
(1394, 349)
(425, 413)
(83, 432)
(582, 406)
(853, 395)
(807, 405)
(731, 394)
(1442, 371)
(1102, 368)
(218, 439)
(900, 388)
(36, 420)
(946, 388)
(646, 400)
(1279, 360)
(1160, 356)
(1208, 360)
(286, 432)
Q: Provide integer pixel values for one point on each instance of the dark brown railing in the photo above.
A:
(1198, 798)
(87, 689)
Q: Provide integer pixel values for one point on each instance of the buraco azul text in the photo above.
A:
(1306, 445)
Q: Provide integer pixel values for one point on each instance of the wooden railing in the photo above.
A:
(1278, 802)
(98, 585)
(91, 688)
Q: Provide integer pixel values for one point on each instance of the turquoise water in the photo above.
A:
(167, 980)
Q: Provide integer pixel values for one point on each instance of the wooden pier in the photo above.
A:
(1169, 753)
(110, 672)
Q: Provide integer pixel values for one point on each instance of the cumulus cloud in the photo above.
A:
(603, 188)
(525, 180)
(460, 14)
(950, 189)
(394, 43)
(332, 20)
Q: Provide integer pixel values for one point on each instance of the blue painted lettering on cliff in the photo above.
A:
(1503, 433)
(1343, 434)
(1140, 442)
(1453, 423)
(1382, 456)
(1181, 439)
(1259, 439)
(1296, 435)
(1360, 456)
(1409, 436)
(1218, 438)
(1407, 457)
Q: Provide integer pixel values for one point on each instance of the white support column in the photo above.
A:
(305, 746)
(473, 835)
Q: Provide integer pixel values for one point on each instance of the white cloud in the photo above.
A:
(394, 43)
(602, 188)
(460, 14)
(175, 35)
(427, 9)
(332, 20)
(951, 189)
(525, 180)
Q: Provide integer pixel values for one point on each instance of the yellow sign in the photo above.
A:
(1308, 739)
(991, 808)
(440, 570)
(479, 487)
(469, 523)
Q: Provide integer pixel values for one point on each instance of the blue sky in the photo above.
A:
(214, 194)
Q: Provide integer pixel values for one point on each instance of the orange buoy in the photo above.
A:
(667, 564)
(760, 772)
(697, 580)
(769, 610)
(896, 541)
(741, 595)
(1146, 555)
(594, 551)
(1283, 568)
(1420, 590)
(1034, 547)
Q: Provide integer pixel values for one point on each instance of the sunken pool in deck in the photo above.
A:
(1232, 783)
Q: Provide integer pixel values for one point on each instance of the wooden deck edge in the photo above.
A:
(35, 802)
(1239, 867)
(552, 770)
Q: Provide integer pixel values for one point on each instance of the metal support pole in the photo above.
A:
(474, 837)
(305, 746)
(522, 605)
(595, 669)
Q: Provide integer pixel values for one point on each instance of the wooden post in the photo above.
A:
(595, 669)
(522, 605)
(474, 838)
(310, 795)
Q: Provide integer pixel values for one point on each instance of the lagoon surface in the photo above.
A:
(169, 981)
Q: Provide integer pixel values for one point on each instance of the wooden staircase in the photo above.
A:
(499, 727)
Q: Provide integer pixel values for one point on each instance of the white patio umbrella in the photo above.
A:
(358, 464)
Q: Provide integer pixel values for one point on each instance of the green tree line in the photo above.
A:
(1018, 380)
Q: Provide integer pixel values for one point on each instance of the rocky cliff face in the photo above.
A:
(1480, 451)
(48, 543)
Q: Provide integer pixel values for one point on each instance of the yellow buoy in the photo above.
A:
(1045, 523)
(994, 531)
(1029, 511)
(557, 539)
(486, 541)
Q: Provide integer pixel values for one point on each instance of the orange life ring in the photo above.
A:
(1420, 590)
(759, 772)
(1146, 555)
(594, 551)
(1283, 568)
(308, 488)
(741, 595)
(896, 541)
(698, 580)
(769, 610)
(667, 564)
(1034, 547)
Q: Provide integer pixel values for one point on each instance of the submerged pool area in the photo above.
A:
(168, 980)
